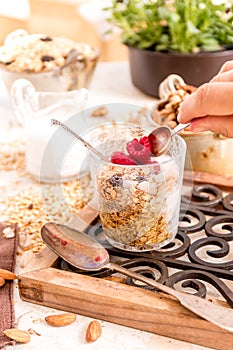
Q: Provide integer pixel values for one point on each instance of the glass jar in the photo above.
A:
(138, 204)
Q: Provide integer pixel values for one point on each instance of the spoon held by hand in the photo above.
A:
(160, 138)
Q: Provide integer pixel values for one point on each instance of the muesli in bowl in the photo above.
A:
(49, 63)
(172, 91)
(138, 195)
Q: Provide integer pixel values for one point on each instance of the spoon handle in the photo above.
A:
(178, 128)
(217, 314)
(79, 138)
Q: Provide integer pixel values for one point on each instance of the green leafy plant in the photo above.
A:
(186, 26)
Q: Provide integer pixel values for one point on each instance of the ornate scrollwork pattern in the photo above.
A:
(201, 251)
(205, 195)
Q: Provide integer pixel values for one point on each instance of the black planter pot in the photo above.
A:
(149, 68)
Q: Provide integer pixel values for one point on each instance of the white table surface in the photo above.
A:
(111, 83)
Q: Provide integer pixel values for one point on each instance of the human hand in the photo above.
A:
(210, 107)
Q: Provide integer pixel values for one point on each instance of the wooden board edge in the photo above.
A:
(121, 304)
(205, 177)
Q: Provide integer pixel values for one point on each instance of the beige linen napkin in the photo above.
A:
(8, 247)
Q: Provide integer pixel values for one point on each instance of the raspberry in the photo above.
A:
(138, 151)
(122, 158)
(146, 142)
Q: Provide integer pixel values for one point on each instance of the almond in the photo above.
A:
(60, 320)
(94, 331)
(2, 281)
(7, 275)
(18, 335)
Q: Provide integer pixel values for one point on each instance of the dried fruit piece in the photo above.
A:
(47, 58)
(94, 331)
(7, 275)
(46, 38)
(116, 181)
(122, 158)
(8, 62)
(18, 335)
(2, 281)
(60, 320)
(140, 178)
(138, 151)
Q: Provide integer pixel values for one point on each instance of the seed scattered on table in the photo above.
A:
(94, 331)
(60, 320)
(18, 335)
(40, 203)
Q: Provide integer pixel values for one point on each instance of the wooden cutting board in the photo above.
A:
(207, 178)
(115, 302)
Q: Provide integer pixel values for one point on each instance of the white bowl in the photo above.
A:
(50, 64)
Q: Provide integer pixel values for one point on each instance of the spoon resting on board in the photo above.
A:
(85, 253)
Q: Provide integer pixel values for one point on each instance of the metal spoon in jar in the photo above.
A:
(160, 138)
(85, 253)
(80, 139)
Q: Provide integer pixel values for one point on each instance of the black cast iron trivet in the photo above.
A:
(207, 215)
